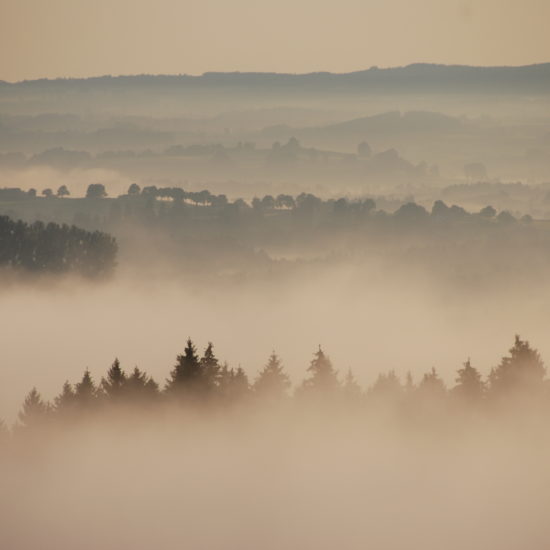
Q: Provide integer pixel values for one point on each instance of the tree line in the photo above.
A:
(54, 248)
(197, 380)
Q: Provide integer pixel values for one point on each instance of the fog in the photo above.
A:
(52, 332)
(276, 310)
(267, 481)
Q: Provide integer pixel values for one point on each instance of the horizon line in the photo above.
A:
(271, 73)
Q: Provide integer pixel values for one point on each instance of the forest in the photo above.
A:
(54, 248)
(201, 234)
(206, 384)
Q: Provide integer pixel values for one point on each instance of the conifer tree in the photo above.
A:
(469, 385)
(85, 391)
(323, 378)
(239, 385)
(185, 376)
(233, 384)
(66, 400)
(351, 389)
(272, 381)
(431, 386)
(224, 380)
(210, 369)
(115, 384)
(521, 372)
(386, 385)
(141, 386)
(34, 411)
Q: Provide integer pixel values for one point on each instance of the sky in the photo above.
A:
(79, 38)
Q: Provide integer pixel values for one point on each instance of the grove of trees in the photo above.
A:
(55, 248)
(203, 382)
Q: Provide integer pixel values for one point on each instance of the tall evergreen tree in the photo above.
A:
(85, 391)
(351, 389)
(66, 400)
(323, 378)
(272, 381)
(520, 372)
(469, 385)
(114, 384)
(239, 384)
(386, 385)
(210, 370)
(233, 384)
(34, 411)
(431, 386)
(141, 387)
(186, 374)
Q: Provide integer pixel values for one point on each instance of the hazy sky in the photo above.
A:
(50, 38)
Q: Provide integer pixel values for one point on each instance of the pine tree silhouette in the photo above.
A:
(351, 389)
(66, 400)
(86, 392)
(272, 381)
(210, 370)
(141, 387)
(431, 387)
(521, 372)
(114, 385)
(34, 411)
(386, 385)
(233, 384)
(323, 379)
(469, 385)
(185, 376)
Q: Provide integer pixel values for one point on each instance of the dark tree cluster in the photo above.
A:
(177, 194)
(203, 381)
(54, 248)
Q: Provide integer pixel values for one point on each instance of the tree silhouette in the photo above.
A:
(488, 212)
(85, 391)
(351, 389)
(520, 372)
(323, 378)
(141, 387)
(134, 189)
(469, 385)
(387, 385)
(66, 400)
(272, 381)
(34, 411)
(114, 384)
(209, 370)
(233, 384)
(431, 386)
(63, 191)
(185, 377)
(96, 191)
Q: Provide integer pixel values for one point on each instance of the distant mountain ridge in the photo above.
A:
(411, 78)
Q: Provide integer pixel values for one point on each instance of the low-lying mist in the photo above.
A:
(366, 318)
(274, 481)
